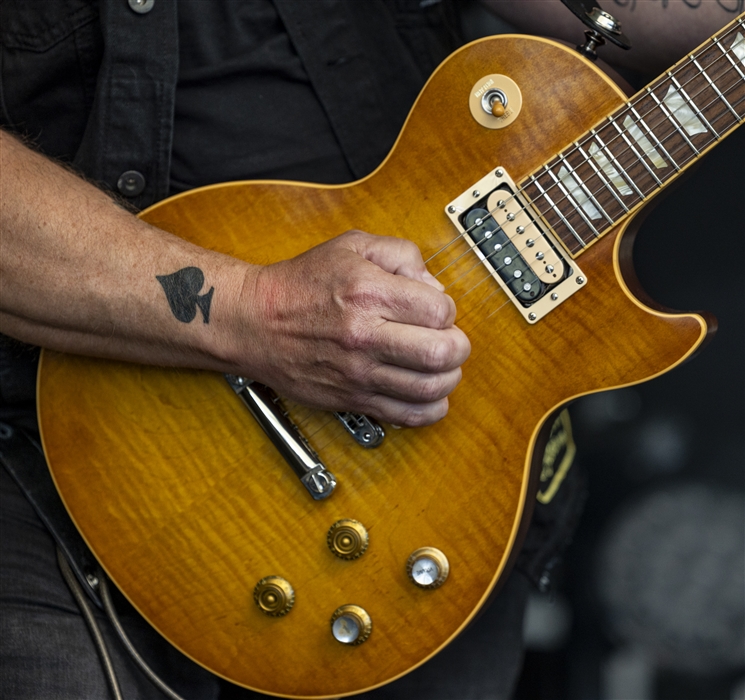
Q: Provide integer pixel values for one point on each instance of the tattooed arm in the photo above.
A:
(332, 328)
(661, 31)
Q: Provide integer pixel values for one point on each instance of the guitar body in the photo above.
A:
(188, 505)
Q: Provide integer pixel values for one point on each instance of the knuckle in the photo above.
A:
(417, 416)
(430, 388)
(410, 250)
(438, 355)
(441, 312)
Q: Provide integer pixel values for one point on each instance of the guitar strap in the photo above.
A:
(22, 457)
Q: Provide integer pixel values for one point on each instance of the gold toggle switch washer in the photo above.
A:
(274, 596)
(348, 539)
(428, 567)
(350, 624)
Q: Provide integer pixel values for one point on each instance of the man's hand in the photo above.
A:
(356, 323)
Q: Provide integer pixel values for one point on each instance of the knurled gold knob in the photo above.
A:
(274, 596)
(428, 567)
(350, 624)
(348, 539)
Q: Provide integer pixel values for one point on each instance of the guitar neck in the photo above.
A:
(603, 177)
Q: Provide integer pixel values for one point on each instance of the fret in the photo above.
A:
(667, 131)
(604, 175)
(714, 87)
(573, 199)
(608, 167)
(709, 95)
(619, 142)
(595, 188)
(558, 213)
(672, 121)
(681, 91)
(598, 181)
(601, 175)
(564, 200)
(580, 180)
(654, 136)
(586, 191)
(725, 72)
(636, 153)
(620, 168)
(728, 57)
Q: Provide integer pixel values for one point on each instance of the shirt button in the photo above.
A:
(131, 183)
(141, 6)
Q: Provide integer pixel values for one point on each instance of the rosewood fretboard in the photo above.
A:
(633, 153)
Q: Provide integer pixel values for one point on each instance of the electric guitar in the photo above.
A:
(310, 554)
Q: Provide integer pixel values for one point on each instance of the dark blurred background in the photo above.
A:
(650, 601)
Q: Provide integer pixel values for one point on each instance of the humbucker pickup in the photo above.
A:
(516, 247)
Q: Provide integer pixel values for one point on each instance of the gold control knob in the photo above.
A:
(350, 624)
(428, 567)
(274, 596)
(348, 539)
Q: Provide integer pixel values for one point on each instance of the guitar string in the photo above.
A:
(603, 187)
(478, 263)
(655, 110)
(635, 100)
(604, 225)
(631, 104)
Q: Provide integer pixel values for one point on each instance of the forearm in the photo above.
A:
(79, 274)
(356, 323)
(661, 31)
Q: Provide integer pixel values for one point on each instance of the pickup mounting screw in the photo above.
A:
(499, 172)
(451, 209)
(554, 296)
(580, 280)
(532, 317)
(476, 193)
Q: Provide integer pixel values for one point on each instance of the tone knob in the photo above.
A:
(347, 539)
(274, 596)
(428, 567)
(350, 624)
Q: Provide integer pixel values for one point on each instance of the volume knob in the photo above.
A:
(350, 624)
(347, 539)
(274, 596)
(428, 567)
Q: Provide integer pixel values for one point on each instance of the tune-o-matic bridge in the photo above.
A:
(500, 226)
(366, 431)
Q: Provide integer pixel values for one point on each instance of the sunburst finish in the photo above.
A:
(188, 505)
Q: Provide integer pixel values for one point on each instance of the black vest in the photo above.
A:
(93, 83)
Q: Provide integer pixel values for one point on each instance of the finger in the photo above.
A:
(421, 349)
(404, 300)
(395, 255)
(403, 413)
(414, 387)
